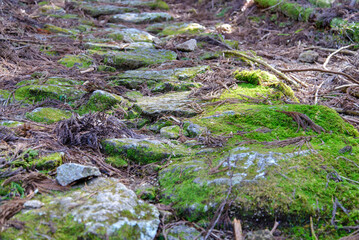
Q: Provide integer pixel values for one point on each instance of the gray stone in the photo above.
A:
(70, 172)
(33, 204)
(183, 232)
(97, 10)
(170, 132)
(121, 46)
(187, 46)
(309, 56)
(176, 104)
(260, 234)
(167, 29)
(107, 209)
(195, 130)
(146, 17)
(130, 35)
(133, 79)
(138, 58)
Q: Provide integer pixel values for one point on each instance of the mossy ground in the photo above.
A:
(291, 191)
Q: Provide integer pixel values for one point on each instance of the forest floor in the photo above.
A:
(58, 55)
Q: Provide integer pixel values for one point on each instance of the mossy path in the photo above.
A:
(203, 130)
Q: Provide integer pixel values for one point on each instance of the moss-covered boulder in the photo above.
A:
(42, 92)
(90, 212)
(79, 61)
(48, 115)
(138, 58)
(177, 104)
(166, 29)
(98, 10)
(101, 101)
(145, 17)
(51, 9)
(142, 151)
(170, 132)
(159, 80)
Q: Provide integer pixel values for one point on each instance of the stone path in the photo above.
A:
(195, 175)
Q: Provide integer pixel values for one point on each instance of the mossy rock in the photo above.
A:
(170, 132)
(98, 10)
(89, 212)
(142, 151)
(11, 124)
(130, 34)
(165, 29)
(264, 78)
(79, 61)
(101, 101)
(292, 10)
(157, 78)
(42, 92)
(138, 58)
(52, 9)
(55, 29)
(138, 18)
(48, 115)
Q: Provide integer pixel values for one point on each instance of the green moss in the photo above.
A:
(48, 115)
(79, 61)
(292, 10)
(116, 161)
(263, 78)
(10, 124)
(4, 94)
(101, 101)
(104, 68)
(181, 28)
(159, 4)
(55, 29)
(49, 162)
(345, 28)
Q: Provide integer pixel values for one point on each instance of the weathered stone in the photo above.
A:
(170, 132)
(138, 58)
(52, 9)
(187, 46)
(120, 47)
(79, 61)
(193, 130)
(41, 92)
(142, 150)
(176, 104)
(130, 35)
(166, 29)
(70, 172)
(261, 234)
(101, 101)
(48, 115)
(32, 204)
(146, 17)
(103, 208)
(309, 56)
(183, 232)
(98, 10)
(135, 78)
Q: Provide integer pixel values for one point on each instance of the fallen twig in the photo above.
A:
(277, 72)
(333, 53)
(312, 229)
(320, 70)
(238, 235)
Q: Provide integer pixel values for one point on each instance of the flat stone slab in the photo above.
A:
(167, 29)
(130, 35)
(146, 17)
(142, 150)
(138, 58)
(133, 79)
(104, 207)
(98, 10)
(41, 92)
(48, 115)
(70, 172)
(177, 104)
